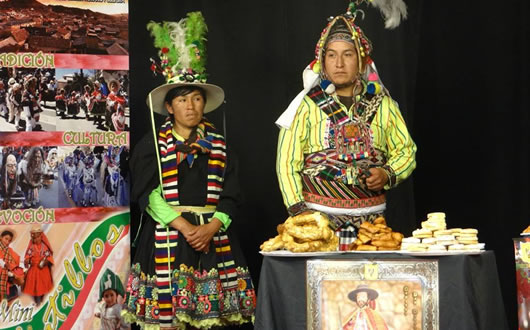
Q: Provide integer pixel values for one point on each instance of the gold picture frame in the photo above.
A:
(398, 294)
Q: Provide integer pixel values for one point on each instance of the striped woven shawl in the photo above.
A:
(205, 140)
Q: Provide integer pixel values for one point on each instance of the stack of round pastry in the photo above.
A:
(303, 233)
(467, 240)
(434, 236)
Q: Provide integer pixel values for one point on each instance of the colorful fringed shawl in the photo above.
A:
(173, 152)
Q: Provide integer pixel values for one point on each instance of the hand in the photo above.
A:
(377, 180)
(200, 237)
(10, 274)
(2, 263)
(42, 263)
(182, 225)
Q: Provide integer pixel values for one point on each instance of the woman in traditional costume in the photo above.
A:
(188, 269)
(39, 260)
(10, 272)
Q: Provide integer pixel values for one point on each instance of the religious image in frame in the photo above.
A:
(363, 294)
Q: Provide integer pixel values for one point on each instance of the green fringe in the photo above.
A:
(183, 319)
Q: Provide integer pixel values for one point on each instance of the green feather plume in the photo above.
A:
(196, 31)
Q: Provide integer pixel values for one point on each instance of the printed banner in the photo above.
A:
(58, 272)
(64, 150)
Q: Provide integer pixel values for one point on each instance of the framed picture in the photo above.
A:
(365, 294)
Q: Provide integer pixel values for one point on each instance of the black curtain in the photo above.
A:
(457, 69)
(471, 123)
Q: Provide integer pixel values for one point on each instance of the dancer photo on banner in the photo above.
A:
(28, 177)
(93, 176)
(27, 99)
(92, 100)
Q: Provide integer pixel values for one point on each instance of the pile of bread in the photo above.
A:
(376, 236)
(434, 236)
(303, 233)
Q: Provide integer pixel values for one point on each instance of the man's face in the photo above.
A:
(110, 297)
(362, 299)
(37, 237)
(11, 166)
(340, 63)
(38, 157)
(6, 239)
(187, 110)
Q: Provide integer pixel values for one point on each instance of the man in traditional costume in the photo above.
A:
(30, 105)
(365, 317)
(343, 141)
(31, 175)
(10, 192)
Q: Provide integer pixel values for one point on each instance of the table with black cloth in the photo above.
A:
(469, 291)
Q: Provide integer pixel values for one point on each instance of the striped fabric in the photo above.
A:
(207, 142)
(225, 261)
(165, 246)
(351, 224)
(327, 104)
(310, 133)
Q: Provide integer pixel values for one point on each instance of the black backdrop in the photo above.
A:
(459, 70)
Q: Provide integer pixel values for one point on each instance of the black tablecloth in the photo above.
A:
(469, 298)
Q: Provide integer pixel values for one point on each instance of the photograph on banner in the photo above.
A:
(92, 100)
(58, 26)
(63, 275)
(93, 176)
(28, 177)
(27, 99)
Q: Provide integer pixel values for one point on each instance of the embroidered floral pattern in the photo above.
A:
(195, 293)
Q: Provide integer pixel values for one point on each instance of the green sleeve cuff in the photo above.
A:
(224, 218)
(159, 209)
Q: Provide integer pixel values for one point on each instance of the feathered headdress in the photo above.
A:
(344, 26)
(182, 52)
(182, 48)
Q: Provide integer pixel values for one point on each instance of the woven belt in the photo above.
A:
(344, 203)
(194, 209)
(197, 211)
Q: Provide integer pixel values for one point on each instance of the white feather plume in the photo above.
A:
(177, 33)
(392, 10)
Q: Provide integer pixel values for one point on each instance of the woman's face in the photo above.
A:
(6, 239)
(187, 110)
(37, 238)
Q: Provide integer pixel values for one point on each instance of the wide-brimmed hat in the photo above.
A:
(214, 96)
(372, 294)
(182, 53)
(36, 229)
